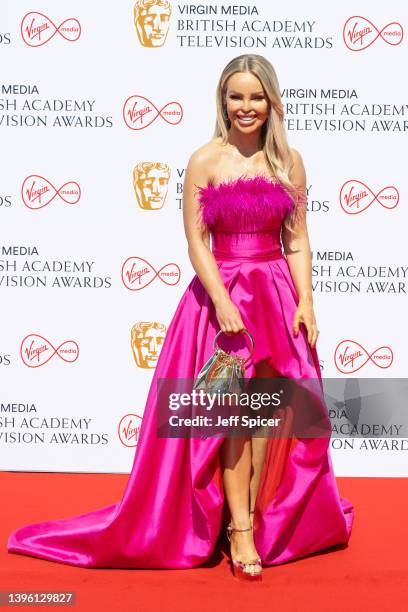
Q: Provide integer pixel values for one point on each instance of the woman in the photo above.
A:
(244, 188)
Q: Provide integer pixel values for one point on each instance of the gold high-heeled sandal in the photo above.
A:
(239, 567)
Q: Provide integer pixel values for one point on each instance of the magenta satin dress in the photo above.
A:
(171, 512)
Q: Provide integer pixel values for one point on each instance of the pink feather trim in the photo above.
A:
(243, 202)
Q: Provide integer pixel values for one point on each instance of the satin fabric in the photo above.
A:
(172, 509)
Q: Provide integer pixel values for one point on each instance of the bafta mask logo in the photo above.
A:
(152, 19)
(150, 181)
(147, 339)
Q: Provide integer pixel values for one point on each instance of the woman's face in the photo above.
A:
(247, 104)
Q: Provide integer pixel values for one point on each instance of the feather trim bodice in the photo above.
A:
(257, 203)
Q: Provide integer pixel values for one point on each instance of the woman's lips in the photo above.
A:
(246, 120)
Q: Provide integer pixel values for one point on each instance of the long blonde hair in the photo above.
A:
(273, 134)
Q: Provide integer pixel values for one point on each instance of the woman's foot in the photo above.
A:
(244, 555)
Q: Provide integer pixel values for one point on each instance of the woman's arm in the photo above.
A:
(298, 254)
(198, 238)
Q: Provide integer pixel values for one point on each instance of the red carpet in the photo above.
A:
(371, 574)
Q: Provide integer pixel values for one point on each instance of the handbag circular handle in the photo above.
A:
(245, 331)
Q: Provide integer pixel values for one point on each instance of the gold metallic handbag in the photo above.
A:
(223, 372)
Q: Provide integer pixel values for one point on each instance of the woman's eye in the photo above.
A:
(237, 97)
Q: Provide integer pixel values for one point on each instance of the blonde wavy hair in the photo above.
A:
(273, 133)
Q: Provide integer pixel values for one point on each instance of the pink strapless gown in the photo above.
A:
(171, 511)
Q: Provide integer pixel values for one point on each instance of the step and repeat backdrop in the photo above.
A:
(101, 105)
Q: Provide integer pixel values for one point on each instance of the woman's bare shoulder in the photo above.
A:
(202, 161)
(297, 172)
(208, 151)
(296, 156)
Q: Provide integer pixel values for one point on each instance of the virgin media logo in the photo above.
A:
(37, 192)
(139, 112)
(36, 351)
(138, 273)
(38, 29)
(350, 356)
(359, 33)
(355, 197)
(129, 429)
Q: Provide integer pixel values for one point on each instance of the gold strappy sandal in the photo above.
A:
(240, 568)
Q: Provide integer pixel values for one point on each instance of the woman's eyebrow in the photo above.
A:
(256, 93)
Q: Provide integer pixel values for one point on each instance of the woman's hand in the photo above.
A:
(305, 314)
(228, 316)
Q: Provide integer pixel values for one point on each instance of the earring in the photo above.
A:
(224, 112)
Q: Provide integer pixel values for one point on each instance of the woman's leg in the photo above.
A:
(259, 445)
(236, 463)
(242, 461)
